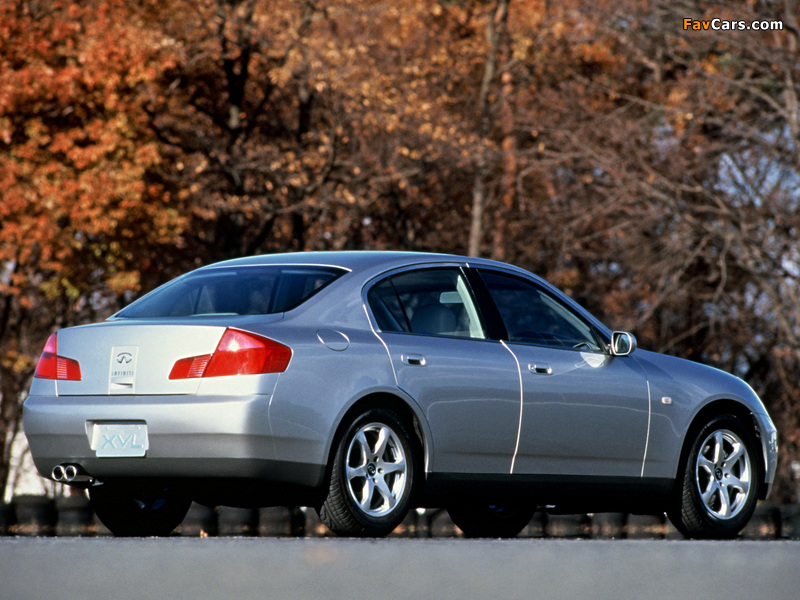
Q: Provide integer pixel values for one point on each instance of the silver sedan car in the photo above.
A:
(368, 383)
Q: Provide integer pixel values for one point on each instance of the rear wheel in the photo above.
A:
(478, 520)
(372, 476)
(719, 486)
(129, 512)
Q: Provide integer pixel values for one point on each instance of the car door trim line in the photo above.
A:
(649, 416)
(385, 347)
(521, 404)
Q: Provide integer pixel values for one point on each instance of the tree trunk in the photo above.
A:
(497, 34)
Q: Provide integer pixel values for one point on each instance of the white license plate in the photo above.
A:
(114, 440)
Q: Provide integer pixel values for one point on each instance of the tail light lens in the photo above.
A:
(238, 353)
(53, 366)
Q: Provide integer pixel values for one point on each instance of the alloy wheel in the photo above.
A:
(376, 469)
(723, 474)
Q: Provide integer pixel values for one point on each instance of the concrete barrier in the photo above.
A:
(71, 516)
(34, 516)
(7, 518)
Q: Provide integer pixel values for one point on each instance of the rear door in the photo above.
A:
(466, 384)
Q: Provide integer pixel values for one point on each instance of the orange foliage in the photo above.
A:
(620, 156)
(77, 159)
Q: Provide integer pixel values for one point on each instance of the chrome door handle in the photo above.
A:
(415, 360)
(540, 369)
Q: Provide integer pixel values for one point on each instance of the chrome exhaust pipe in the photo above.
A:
(69, 474)
(58, 473)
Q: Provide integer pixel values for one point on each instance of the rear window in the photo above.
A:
(429, 302)
(233, 291)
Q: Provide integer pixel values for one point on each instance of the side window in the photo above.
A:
(428, 301)
(386, 307)
(533, 316)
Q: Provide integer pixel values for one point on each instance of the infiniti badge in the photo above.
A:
(124, 358)
(122, 372)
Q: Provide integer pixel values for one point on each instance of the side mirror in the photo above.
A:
(622, 343)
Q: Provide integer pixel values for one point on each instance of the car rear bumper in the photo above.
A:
(188, 437)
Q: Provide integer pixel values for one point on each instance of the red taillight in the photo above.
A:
(187, 368)
(238, 353)
(53, 366)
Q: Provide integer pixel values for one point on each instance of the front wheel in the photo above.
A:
(372, 476)
(719, 488)
(129, 512)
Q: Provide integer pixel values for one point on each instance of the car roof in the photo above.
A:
(368, 264)
(356, 260)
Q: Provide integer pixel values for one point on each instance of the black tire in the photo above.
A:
(719, 482)
(127, 512)
(491, 520)
(372, 477)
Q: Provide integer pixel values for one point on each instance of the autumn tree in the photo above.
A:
(648, 169)
(84, 210)
(320, 124)
(661, 186)
(243, 120)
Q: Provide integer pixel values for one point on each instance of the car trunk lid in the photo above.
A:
(118, 358)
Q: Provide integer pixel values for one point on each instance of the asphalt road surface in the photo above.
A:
(267, 569)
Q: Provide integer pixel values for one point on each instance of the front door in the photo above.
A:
(585, 412)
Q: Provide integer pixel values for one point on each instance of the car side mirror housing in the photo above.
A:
(622, 343)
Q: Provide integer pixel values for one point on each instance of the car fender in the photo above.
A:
(680, 390)
(323, 386)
